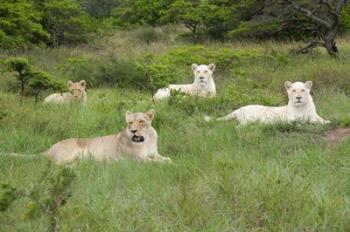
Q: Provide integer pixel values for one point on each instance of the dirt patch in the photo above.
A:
(337, 134)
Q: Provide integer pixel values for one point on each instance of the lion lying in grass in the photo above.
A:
(138, 140)
(300, 108)
(76, 93)
(203, 84)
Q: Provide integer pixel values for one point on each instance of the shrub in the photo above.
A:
(150, 72)
(41, 81)
(109, 71)
(149, 34)
(25, 73)
(46, 196)
(23, 69)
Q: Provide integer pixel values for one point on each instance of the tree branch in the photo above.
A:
(340, 5)
(310, 46)
(309, 14)
(330, 8)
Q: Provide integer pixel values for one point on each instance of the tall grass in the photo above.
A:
(225, 178)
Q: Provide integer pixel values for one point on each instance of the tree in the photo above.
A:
(37, 80)
(100, 9)
(41, 81)
(23, 69)
(143, 12)
(189, 13)
(66, 22)
(20, 25)
(326, 15)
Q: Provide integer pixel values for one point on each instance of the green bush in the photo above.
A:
(149, 34)
(26, 75)
(109, 71)
(41, 81)
(46, 196)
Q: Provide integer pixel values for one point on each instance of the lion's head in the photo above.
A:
(138, 125)
(77, 89)
(203, 74)
(298, 92)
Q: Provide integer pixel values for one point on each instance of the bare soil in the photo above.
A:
(337, 134)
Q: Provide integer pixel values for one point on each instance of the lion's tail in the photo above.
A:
(20, 155)
(228, 117)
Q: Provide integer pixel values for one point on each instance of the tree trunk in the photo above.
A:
(36, 97)
(329, 40)
(331, 26)
(22, 90)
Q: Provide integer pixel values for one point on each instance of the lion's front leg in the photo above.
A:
(319, 120)
(159, 158)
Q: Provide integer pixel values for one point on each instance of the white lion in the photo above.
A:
(300, 108)
(138, 140)
(203, 84)
(76, 93)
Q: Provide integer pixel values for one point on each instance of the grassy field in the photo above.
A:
(225, 178)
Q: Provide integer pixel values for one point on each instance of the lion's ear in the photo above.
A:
(150, 114)
(128, 116)
(287, 84)
(308, 84)
(83, 83)
(69, 83)
(211, 67)
(194, 67)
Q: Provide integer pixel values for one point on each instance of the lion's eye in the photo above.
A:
(130, 123)
(197, 71)
(303, 90)
(141, 121)
(294, 90)
(205, 71)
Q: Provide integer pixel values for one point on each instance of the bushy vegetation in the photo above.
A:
(31, 23)
(46, 197)
(252, 19)
(27, 23)
(25, 73)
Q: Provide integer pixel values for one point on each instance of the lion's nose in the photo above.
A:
(133, 131)
(298, 98)
(201, 78)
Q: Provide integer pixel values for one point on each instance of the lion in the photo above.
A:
(203, 84)
(76, 93)
(138, 140)
(300, 108)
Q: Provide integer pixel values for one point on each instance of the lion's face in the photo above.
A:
(203, 73)
(77, 89)
(138, 125)
(298, 92)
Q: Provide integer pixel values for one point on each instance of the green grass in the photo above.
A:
(226, 178)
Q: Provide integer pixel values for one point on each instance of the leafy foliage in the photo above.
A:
(38, 80)
(47, 195)
(66, 22)
(23, 69)
(20, 25)
(41, 81)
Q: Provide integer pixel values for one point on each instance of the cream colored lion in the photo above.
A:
(138, 140)
(76, 93)
(203, 84)
(300, 108)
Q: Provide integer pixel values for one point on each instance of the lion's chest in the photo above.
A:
(301, 114)
(203, 90)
